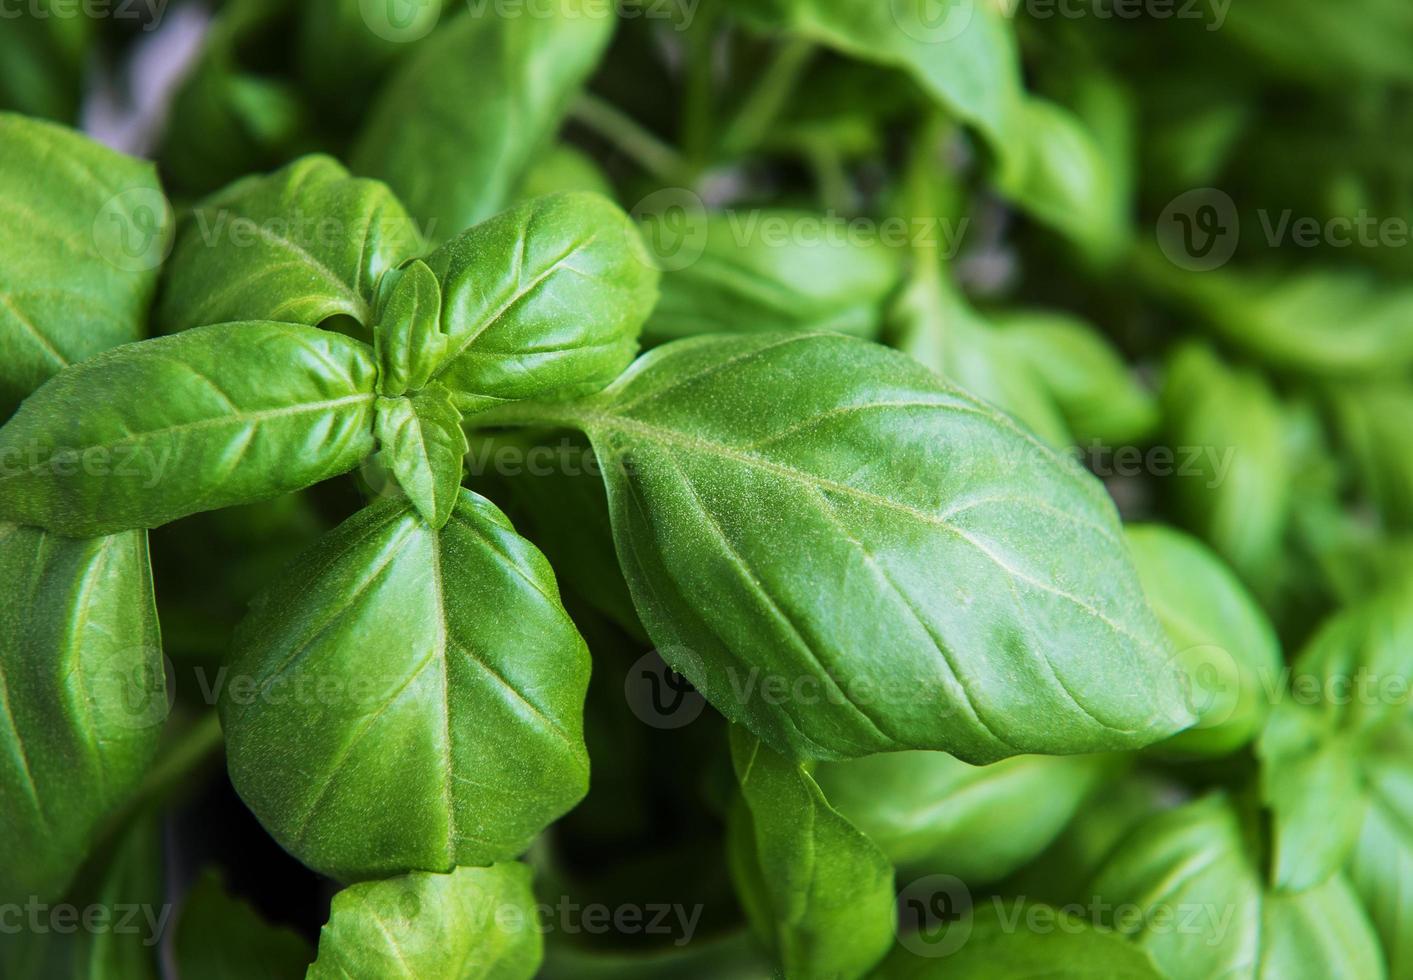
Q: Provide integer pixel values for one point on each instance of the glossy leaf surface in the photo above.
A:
(471, 924)
(450, 727)
(83, 231)
(208, 418)
(860, 558)
(300, 245)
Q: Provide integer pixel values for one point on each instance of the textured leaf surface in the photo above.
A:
(827, 889)
(1197, 861)
(933, 814)
(82, 233)
(82, 697)
(300, 245)
(1066, 948)
(451, 730)
(456, 160)
(407, 339)
(208, 418)
(471, 924)
(543, 300)
(1218, 632)
(423, 444)
(860, 558)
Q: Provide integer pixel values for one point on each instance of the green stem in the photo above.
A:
(624, 132)
(753, 121)
(699, 103)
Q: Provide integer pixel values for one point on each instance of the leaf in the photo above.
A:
(1096, 392)
(471, 924)
(1201, 910)
(563, 167)
(1381, 865)
(934, 323)
(407, 340)
(1235, 492)
(346, 47)
(860, 558)
(1327, 322)
(1374, 423)
(41, 60)
(1307, 41)
(964, 55)
(933, 814)
(456, 160)
(1064, 947)
(83, 231)
(1218, 633)
(544, 300)
(220, 937)
(121, 886)
(82, 697)
(208, 418)
(425, 448)
(303, 244)
(763, 271)
(450, 731)
(829, 889)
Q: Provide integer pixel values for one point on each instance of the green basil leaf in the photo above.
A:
(1308, 41)
(543, 300)
(83, 231)
(934, 323)
(219, 937)
(303, 244)
(471, 924)
(1381, 865)
(124, 887)
(1376, 427)
(1330, 322)
(1196, 865)
(408, 340)
(449, 730)
(1000, 944)
(933, 814)
(424, 446)
(207, 418)
(828, 889)
(82, 697)
(763, 271)
(848, 556)
(455, 161)
(1096, 392)
(347, 46)
(1235, 492)
(1218, 633)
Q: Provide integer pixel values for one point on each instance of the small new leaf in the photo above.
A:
(425, 448)
(407, 340)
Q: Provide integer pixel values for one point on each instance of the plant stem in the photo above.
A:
(763, 106)
(624, 132)
(699, 101)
